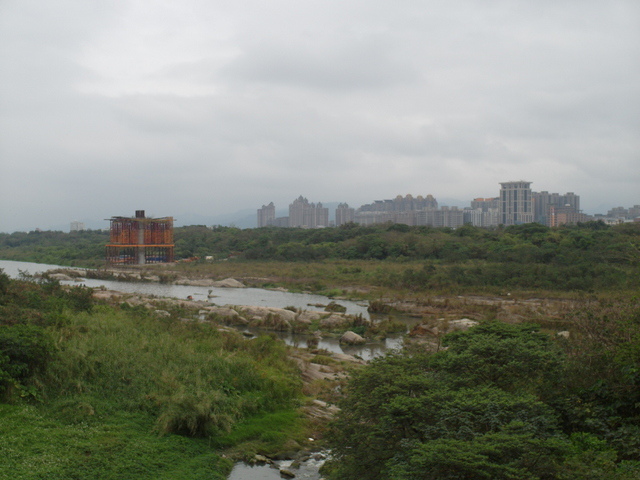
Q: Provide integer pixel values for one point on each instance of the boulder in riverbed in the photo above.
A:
(462, 324)
(228, 283)
(352, 338)
(332, 321)
(60, 277)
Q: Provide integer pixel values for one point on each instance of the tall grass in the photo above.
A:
(127, 395)
(196, 380)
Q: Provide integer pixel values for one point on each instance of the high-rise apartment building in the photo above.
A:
(485, 203)
(516, 206)
(76, 226)
(401, 204)
(566, 215)
(344, 214)
(544, 201)
(266, 215)
(479, 218)
(309, 215)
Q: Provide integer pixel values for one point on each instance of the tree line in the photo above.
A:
(583, 257)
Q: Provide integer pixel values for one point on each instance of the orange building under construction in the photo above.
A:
(139, 240)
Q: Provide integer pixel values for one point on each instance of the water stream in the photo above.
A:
(308, 470)
(237, 296)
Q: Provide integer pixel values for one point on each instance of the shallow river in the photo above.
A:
(241, 296)
(307, 471)
(237, 296)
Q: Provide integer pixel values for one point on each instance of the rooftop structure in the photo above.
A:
(140, 240)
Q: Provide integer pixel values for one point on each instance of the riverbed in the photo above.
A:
(307, 470)
(239, 296)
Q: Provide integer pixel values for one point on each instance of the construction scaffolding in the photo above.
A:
(139, 240)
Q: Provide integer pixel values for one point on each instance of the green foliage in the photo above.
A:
(202, 414)
(263, 434)
(24, 351)
(84, 248)
(501, 402)
(586, 257)
(106, 381)
(511, 357)
(37, 445)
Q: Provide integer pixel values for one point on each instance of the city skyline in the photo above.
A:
(515, 204)
(200, 109)
(246, 218)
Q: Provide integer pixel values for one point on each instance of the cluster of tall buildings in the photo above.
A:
(302, 213)
(516, 204)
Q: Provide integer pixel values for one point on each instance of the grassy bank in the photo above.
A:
(372, 279)
(95, 391)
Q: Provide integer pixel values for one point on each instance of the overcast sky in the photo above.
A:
(209, 107)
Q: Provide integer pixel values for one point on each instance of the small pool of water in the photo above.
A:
(308, 470)
(366, 352)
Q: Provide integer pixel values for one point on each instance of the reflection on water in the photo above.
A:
(308, 470)
(332, 344)
(242, 471)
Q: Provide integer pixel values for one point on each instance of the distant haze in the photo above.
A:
(204, 109)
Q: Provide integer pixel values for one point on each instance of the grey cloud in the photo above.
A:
(339, 101)
(370, 63)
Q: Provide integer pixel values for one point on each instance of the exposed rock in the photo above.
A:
(267, 314)
(332, 321)
(564, 334)
(352, 338)
(61, 277)
(286, 473)
(194, 283)
(105, 294)
(314, 371)
(228, 283)
(162, 313)
(76, 272)
(227, 330)
(134, 301)
(261, 459)
(441, 327)
(335, 307)
(321, 410)
(308, 317)
(224, 312)
(462, 324)
(343, 357)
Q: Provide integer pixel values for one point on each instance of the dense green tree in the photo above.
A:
(495, 404)
(588, 257)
